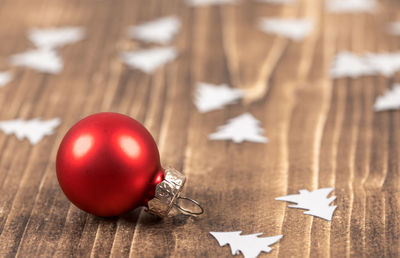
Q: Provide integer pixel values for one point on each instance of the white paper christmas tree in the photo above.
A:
(149, 60)
(295, 29)
(394, 28)
(242, 128)
(5, 77)
(277, 1)
(34, 130)
(389, 101)
(351, 6)
(209, 2)
(211, 97)
(42, 60)
(160, 31)
(249, 245)
(316, 202)
(386, 64)
(347, 64)
(55, 37)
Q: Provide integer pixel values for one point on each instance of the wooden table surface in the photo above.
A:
(322, 132)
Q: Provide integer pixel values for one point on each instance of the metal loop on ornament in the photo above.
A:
(186, 211)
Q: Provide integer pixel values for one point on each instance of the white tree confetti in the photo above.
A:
(242, 128)
(350, 6)
(34, 130)
(42, 59)
(211, 97)
(316, 202)
(249, 245)
(160, 31)
(149, 60)
(55, 37)
(386, 64)
(295, 29)
(389, 101)
(347, 64)
(5, 77)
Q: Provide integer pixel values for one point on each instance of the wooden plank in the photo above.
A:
(322, 132)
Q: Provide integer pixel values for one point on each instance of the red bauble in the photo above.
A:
(108, 164)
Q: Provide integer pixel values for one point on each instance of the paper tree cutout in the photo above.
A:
(55, 37)
(43, 60)
(350, 6)
(295, 29)
(347, 64)
(160, 31)
(316, 202)
(394, 28)
(211, 97)
(34, 130)
(242, 128)
(350, 65)
(249, 245)
(209, 2)
(150, 59)
(386, 64)
(389, 101)
(277, 1)
(5, 77)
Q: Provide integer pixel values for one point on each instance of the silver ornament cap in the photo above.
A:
(167, 195)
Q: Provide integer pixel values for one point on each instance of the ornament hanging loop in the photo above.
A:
(167, 196)
(187, 211)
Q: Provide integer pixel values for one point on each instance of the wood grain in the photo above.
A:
(323, 132)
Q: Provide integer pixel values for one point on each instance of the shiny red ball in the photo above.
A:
(108, 164)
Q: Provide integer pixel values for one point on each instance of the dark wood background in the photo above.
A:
(323, 132)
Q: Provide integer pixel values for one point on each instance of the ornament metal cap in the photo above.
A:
(167, 195)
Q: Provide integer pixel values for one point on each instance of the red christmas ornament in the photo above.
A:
(108, 164)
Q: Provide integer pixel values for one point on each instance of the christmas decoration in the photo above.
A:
(347, 64)
(210, 2)
(211, 97)
(249, 245)
(316, 202)
(150, 59)
(389, 101)
(5, 77)
(160, 31)
(350, 6)
(386, 64)
(42, 60)
(45, 58)
(242, 128)
(34, 130)
(295, 29)
(108, 164)
(55, 37)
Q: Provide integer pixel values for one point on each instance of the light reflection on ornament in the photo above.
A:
(130, 146)
(82, 145)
